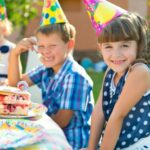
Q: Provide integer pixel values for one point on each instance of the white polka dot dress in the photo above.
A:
(136, 124)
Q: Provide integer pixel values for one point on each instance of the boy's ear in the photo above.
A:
(71, 44)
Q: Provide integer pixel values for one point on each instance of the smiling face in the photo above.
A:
(127, 27)
(119, 55)
(53, 50)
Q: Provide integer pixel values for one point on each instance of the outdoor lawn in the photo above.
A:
(97, 78)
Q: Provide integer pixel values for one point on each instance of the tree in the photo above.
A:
(20, 12)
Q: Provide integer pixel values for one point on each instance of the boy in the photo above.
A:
(66, 87)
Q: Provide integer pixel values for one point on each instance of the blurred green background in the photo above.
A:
(97, 78)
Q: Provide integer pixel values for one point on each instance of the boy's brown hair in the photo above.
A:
(66, 30)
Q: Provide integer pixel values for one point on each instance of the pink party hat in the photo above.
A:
(52, 13)
(102, 12)
(2, 10)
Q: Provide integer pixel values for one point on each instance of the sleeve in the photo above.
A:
(36, 75)
(76, 93)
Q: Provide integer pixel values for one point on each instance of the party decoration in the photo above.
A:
(2, 10)
(52, 13)
(22, 85)
(102, 12)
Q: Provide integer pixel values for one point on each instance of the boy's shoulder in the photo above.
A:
(78, 71)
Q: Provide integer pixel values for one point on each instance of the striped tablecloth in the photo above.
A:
(52, 139)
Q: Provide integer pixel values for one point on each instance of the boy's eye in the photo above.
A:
(49, 47)
(40, 47)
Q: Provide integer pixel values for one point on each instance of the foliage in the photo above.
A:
(20, 12)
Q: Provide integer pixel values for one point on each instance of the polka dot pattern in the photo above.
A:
(136, 124)
(52, 13)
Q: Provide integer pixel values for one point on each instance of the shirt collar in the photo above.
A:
(64, 68)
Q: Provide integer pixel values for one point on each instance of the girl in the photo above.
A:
(5, 45)
(122, 112)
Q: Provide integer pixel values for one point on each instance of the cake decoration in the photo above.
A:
(22, 85)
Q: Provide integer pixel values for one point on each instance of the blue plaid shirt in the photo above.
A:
(70, 88)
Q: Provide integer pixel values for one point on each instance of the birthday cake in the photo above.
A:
(14, 101)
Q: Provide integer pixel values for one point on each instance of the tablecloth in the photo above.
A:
(54, 139)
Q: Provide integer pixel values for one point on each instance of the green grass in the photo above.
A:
(97, 78)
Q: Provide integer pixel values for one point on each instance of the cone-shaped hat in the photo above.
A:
(102, 12)
(52, 13)
(2, 10)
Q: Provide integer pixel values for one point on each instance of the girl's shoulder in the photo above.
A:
(108, 72)
(139, 72)
(139, 68)
(140, 65)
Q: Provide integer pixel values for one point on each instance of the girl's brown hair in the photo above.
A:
(6, 25)
(129, 26)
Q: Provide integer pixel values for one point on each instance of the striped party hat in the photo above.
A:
(52, 13)
(2, 10)
(101, 13)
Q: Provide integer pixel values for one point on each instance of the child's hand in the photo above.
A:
(24, 45)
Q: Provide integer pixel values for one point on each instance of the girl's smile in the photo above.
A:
(119, 55)
(118, 62)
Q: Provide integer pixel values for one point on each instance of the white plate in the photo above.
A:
(34, 111)
(18, 133)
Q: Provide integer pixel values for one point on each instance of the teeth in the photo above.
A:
(117, 61)
(48, 59)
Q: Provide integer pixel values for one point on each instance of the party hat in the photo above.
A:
(102, 12)
(2, 10)
(52, 13)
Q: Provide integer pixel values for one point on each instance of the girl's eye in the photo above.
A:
(107, 47)
(125, 45)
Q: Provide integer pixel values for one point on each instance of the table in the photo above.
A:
(57, 139)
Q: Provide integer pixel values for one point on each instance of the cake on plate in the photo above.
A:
(14, 101)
